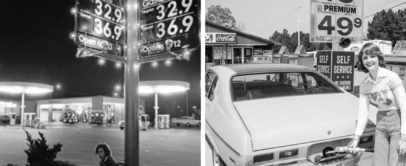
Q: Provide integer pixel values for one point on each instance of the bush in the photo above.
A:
(9, 164)
(63, 163)
(39, 153)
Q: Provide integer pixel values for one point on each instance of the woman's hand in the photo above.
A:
(353, 144)
(402, 145)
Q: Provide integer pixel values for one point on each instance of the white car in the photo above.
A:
(279, 114)
(186, 121)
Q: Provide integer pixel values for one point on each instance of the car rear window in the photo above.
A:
(279, 84)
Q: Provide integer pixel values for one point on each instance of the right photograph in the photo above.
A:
(310, 83)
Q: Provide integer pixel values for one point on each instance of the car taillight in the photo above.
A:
(288, 154)
(263, 157)
(366, 139)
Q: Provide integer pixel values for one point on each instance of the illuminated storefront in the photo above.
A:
(229, 46)
(55, 110)
(8, 107)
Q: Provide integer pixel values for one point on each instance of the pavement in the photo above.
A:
(175, 146)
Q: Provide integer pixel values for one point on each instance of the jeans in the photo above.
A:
(387, 135)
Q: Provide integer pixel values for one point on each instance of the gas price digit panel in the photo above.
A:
(101, 21)
(336, 19)
(161, 20)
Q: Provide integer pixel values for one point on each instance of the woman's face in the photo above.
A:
(371, 62)
(101, 153)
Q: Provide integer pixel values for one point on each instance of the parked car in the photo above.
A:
(279, 114)
(185, 120)
(4, 119)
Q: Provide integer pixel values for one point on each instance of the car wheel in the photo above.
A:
(187, 124)
(217, 161)
(198, 125)
(122, 128)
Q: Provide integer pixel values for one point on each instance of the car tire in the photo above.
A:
(217, 161)
(198, 125)
(122, 128)
(187, 124)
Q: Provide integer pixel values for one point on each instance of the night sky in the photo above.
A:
(35, 47)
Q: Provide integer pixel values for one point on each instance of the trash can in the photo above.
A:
(160, 121)
(12, 119)
(306, 60)
(276, 58)
(144, 119)
(293, 59)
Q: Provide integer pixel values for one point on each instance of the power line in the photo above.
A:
(387, 9)
(378, 6)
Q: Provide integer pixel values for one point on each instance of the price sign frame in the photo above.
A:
(101, 21)
(332, 20)
(156, 16)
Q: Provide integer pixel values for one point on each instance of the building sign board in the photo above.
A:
(221, 38)
(163, 21)
(332, 20)
(100, 21)
(338, 66)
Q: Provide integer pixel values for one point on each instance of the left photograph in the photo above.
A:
(100, 83)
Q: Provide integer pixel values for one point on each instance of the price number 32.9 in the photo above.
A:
(345, 25)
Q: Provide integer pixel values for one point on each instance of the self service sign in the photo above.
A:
(338, 66)
(332, 20)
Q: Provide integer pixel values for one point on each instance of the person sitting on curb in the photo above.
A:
(105, 154)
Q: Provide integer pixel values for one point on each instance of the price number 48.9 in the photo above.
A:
(344, 24)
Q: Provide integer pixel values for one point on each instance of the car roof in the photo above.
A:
(253, 68)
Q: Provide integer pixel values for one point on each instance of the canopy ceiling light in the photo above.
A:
(25, 88)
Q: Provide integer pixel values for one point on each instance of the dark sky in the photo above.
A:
(35, 47)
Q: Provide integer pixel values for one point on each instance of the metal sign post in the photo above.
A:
(131, 133)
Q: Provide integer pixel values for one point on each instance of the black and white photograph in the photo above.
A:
(315, 82)
(100, 83)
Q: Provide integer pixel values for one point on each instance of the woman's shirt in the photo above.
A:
(381, 92)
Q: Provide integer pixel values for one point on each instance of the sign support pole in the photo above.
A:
(131, 75)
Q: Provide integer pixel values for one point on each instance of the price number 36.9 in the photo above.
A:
(345, 25)
(110, 31)
(173, 27)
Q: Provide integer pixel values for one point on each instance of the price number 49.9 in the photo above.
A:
(173, 28)
(344, 24)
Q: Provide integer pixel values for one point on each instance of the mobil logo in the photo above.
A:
(346, 1)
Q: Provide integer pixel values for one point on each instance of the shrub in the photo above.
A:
(39, 153)
(63, 163)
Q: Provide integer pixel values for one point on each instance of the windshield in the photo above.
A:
(279, 84)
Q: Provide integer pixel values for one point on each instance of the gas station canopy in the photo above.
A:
(25, 87)
(163, 86)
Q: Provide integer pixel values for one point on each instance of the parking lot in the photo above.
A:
(175, 146)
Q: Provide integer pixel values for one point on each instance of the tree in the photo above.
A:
(221, 16)
(290, 41)
(388, 25)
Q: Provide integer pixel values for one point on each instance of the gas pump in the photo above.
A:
(144, 121)
(160, 122)
(166, 121)
(396, 61)
(12, 119)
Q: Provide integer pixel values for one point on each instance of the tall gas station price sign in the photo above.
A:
(332, 20)
(100, 25)
(168, 26)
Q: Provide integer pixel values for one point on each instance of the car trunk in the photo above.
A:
(277, 122)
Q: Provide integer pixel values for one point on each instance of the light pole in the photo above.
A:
(298, 32)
